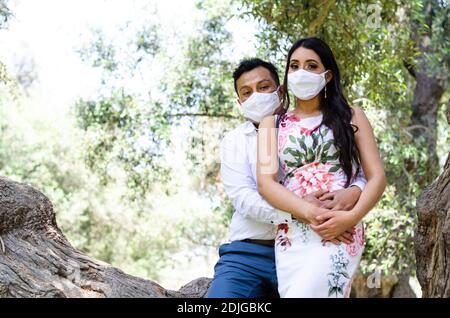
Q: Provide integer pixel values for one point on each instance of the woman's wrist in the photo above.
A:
(355, 217)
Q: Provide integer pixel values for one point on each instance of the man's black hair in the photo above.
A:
(250, 64)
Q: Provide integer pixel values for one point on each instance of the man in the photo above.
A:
(246, 267)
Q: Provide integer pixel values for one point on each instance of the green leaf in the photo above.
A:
(302, 144)
(311, 155)
(315, 141)
(333, 157)
(295, 153)
(327, 145)
(292, 138)
(331, 291)
(345, 274)
(334, 168)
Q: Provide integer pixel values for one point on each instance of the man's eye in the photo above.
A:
(294, 66)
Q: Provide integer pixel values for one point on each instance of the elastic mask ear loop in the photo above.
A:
(281, 99)
(324, 73)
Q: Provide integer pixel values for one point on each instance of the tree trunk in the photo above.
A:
(427, 95)
(432, 236)
(430, 86)
(36, 259)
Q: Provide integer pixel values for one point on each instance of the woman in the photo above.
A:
(321, 144)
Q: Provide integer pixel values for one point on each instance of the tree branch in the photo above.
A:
(410, 68)
(318, 22)
(38, 260)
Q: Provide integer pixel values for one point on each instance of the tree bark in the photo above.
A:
(432, 236)
(36, 259)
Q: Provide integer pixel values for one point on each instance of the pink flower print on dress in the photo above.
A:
(360, 235)
(358, 243)
(282, 239)
(288, 119)
(308, 131)
(282, 141)
(291, 117)
(352, 249)
(313, 177)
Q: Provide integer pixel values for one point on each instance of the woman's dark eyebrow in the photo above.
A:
(309, 60)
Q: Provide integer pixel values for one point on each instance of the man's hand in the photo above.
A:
(346, 237)
(313, 198)
(333, 224)
(340, 200)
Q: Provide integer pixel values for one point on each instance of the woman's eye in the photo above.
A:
(311, 67)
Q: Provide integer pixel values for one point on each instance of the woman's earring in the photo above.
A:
(325, 91)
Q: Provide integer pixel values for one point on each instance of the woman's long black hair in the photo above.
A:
(336, 111)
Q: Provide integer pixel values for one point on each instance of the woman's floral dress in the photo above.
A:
(309, 162)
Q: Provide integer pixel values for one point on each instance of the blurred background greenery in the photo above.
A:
(115, 110)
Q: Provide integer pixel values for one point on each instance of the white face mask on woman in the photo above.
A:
(260, 105)
(306, 85)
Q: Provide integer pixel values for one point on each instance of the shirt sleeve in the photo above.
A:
(360, 180)
(240, 185)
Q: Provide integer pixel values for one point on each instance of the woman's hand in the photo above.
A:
(343, 199)
(310, 213)
(333, 224)
(340, 198)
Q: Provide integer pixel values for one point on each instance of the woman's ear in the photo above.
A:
(328, 76)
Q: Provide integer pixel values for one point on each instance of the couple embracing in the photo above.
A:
(300, 181)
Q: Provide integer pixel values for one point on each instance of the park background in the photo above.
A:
(115, 111)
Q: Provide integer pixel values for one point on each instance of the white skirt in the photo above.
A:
(308, 268)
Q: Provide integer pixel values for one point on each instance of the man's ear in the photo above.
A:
(328, 76)
(281, 91)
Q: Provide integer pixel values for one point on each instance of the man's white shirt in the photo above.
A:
(254, 218)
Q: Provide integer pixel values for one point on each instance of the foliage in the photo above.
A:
(126, 131)
(5, 14)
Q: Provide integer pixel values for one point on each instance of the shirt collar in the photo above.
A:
(249, 128)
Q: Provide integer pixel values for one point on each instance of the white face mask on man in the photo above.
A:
(260, 105)
(306, 85)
